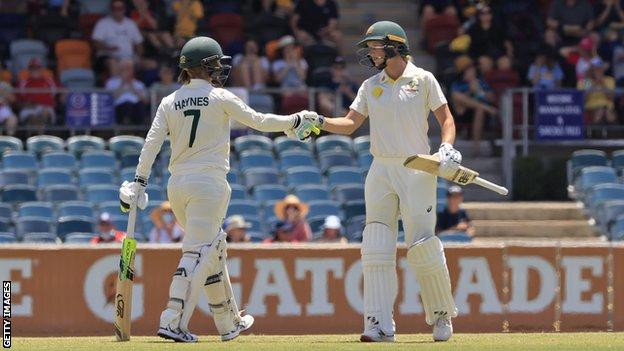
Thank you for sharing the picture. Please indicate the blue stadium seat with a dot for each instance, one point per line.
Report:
(102, 192)
(607, 212)
(244, 208)
(604, 192)
(362, 144)
(121, 223)
(91, 176)
(232, 177)
(155, 192)
(365, 160)
(42, 144)
(78, 238)
(125, 144)
(59, 159)
(19, 160)
(349, 191)
(617, 160)
(283, 143)
(15, 176)
(355, 227)
(9, 143)
(584, 158)
(256, 224)
(25, 225)
(457, 237)
(71, 224)
(316, 223)
(334, 143)
(5, 225)
(238, 192)
(344, 175)
(61, 192)
(98, 159)
(147, 225)
(441, 192)
(77, 78)
(616, 232)
(594, 175)
(129, 160)
(324, 208)
(260, 176)
(19, 193)
(23, 50)
(331, 159)
(6, 211)
(53, 176)
(127, 173)
(303, 175)
(255, 159)
(296, 158)
(36, 209)
(7, 238)
(250, 142)
(353, 208)
(77, 145)
(39, 238)
(311, 192)
(75, 208)
(112, 207)
(267, 192)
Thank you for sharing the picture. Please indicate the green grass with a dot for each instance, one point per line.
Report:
(420, 342)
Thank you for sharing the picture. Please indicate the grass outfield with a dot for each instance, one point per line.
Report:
(550, 341)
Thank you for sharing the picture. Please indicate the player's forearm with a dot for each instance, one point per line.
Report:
(447, 124)
(339, 125)
(268, 122)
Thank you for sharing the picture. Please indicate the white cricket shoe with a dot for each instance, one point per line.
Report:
(245, 323)
(376, 335)
(442, 329)
(176, 335)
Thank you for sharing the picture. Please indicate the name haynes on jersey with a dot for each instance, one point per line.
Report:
(192, 102)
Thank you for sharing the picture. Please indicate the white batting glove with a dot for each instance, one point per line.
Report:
(128, 194)
(450, 159)
(306, 123)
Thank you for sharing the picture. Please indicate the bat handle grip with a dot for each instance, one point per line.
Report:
(489, 185)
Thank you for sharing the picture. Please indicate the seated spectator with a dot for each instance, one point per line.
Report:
(618, 65)
(290, 70)
(7, 116)
(188, 12)
(292, 211)
(332, 231)
(486, 38)
(37, 108)
(339, 82)
(236, 229)
(5, 74)
(545, 73)
(503, 76)
(609, 42)
(473, 101)
(145, 20)
(166, 85)
(251, 70)
(130, 95)
(430, 8)
(271, 20)
(573, 19)
(485, 64)
(106, 231)
(586, 53)
(317, 20)
(166, 227)
(599, 96)
(282, 233)
(607, 13)
(454, 218)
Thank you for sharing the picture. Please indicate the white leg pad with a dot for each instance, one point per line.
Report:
(426, 259)
(380, 277)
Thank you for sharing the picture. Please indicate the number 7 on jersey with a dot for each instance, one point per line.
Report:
(195, 114)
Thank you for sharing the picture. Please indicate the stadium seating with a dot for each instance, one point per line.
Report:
(60, 192)
(259, 176)
(593, 175)
(243, 207)
(331, 159)
(349, 191)
(19, 160)
(311, 192)
(83, 143)
(616, 231)
(283, 143)
(584, 158)
(7, 238)
(6, 211)
(36, 209)
(15, 176)
(98, 159)
(125, 144)
(354, 208)
(238, 192)
(9, 143)
(72, 54)
(249, 142)
(296, 158)
(5, 225)
(440, 29)
(60, 159)
(303, 175)
(78, 238)
(77, 78)
(76, 208)
(256, 158)
(344, 175)
(42, 144)
(16, 193)
(334, 143)
(97, 175)
(32, 224)
(23, 50)
(361, 144)
(71, 224)
(53, 176)
(102, 192)
(267, 192)
(324, 208)
(39, 238)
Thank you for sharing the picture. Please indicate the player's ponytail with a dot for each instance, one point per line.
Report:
(184, 77)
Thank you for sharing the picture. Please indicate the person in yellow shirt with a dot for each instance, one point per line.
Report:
(599, 95)
(188, 12)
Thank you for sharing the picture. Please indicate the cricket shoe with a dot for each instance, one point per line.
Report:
(442, 329)
(176, 335)
(245, 323)
(375, 334)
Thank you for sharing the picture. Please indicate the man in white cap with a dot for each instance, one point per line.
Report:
(332, 231)
(236, 229)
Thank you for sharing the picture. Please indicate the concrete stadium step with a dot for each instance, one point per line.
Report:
(523, 211)
(532, 228)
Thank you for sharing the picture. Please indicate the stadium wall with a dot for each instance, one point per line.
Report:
(316, 289)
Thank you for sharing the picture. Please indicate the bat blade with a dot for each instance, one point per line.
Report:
(123, 295)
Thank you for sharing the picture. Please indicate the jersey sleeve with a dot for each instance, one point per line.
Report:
(153, 142)
(360, 103)
(435, 96)
(237, 110)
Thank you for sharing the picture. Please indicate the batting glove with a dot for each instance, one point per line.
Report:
(129, 192)
(450, 160)
(306, 123)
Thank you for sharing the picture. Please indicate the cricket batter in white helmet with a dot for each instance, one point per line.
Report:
(398, 100)
(197, 119)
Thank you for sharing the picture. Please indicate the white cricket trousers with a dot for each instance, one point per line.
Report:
(199, 202)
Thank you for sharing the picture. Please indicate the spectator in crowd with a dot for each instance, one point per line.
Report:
(545, 73)
(573, 19)
(271, 19)
(586, 53)
(292, 211)
(332, 231)
(454, 218)
(618, 65)
(503, 76)
(599, 96)
(116, 36)
(188, 12)
(290, 70)
(251, 70)
(166, 227)
(5, 74)
(431, 8)
(317, 20)
(167, 84)
(130, 94)
(161, 40)
(37, 108)
(486, 38)
(339, 82)
(106, 231)
(236, 229)
(607, 45)
(7, 116)
(608, 12)
(282, 233)
(473, 101)
(485, 64)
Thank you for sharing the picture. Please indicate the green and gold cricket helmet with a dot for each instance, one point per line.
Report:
(205, 52)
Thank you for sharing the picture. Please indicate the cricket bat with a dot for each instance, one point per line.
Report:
(125, 279)
(463, 176)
